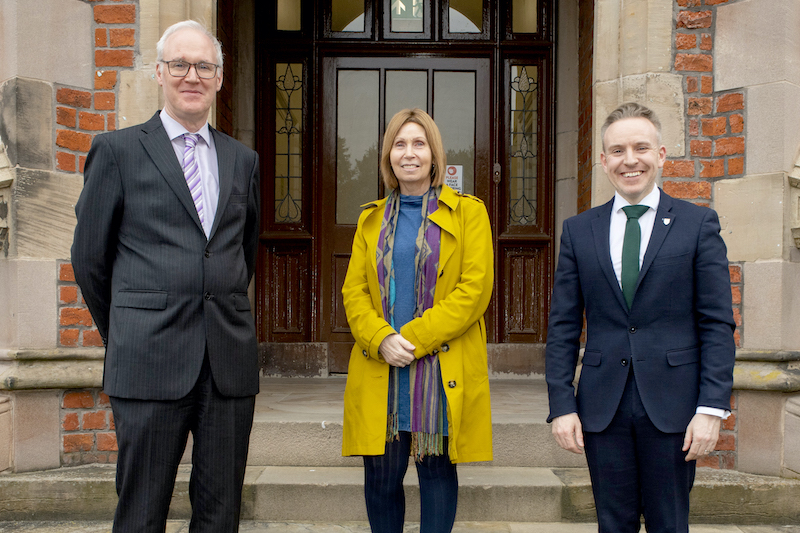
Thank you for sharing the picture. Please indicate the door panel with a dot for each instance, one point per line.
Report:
(361, 96)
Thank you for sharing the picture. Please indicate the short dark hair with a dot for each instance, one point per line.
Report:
(630, 110)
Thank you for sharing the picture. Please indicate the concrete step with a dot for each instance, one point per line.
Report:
(298, 422)
(250, 526)
(335, 494)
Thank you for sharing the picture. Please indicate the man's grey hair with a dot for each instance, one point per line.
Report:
(631, 110)
(188, 25)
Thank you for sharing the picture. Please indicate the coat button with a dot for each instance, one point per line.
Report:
(451, 384)
(208, 254)
(632, 329)
(207, 296)
(434, 352)
(364, 353)
(624, 362)
(445, 348)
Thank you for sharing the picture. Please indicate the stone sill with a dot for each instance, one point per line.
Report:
(62, 368)
(77, 368)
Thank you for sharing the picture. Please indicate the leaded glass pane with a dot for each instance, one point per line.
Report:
(466, 16)
(407, 16)
(288, 142)
(523, 152)
(357, 153)
(405, 89)
(347, 16)
(289, 15)
(524, 16)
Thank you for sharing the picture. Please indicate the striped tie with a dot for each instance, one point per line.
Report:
(192, 172)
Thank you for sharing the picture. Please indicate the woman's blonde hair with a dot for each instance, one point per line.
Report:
(417, 116)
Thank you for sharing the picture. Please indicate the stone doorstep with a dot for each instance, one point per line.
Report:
(335, 494)
(320, 444)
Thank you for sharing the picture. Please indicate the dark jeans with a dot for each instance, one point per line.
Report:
(383, 489)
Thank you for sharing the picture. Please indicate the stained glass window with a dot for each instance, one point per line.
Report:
(288, 142)
(523, 153)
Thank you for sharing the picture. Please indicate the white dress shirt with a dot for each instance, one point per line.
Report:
(616, 236)
(206, 155)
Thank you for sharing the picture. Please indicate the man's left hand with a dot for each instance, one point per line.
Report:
(701, 436)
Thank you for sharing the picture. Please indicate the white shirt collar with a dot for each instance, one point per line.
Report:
(651, 200)
(174, 128)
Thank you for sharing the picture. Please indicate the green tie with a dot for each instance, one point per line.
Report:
(630, 250)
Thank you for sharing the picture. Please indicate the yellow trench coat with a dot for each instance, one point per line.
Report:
(454, 327)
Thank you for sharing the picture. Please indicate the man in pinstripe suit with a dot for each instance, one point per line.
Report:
(164, 249)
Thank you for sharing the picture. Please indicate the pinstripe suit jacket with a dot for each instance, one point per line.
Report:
(158, 290)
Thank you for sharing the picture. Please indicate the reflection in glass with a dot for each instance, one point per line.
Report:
(289, 15)
(288, 142)
(454, 108)
(405, 89)
(357, 154)
(523, 148)
(524, 17)
(406, 16)
(347, 16)
(466, 16)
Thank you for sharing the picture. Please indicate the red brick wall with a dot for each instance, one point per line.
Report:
(87, 423)
(716, 145)
(87, 428)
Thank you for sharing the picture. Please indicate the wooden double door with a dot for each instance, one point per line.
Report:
(322, 110)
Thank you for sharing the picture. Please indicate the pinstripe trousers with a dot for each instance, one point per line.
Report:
(385, 498)
(152, 436)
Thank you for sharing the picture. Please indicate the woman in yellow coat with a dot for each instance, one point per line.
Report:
(418, 283)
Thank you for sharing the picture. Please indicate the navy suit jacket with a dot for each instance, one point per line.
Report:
(678, 334)
(160, 292)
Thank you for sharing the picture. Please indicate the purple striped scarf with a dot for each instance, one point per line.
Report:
(427, 416)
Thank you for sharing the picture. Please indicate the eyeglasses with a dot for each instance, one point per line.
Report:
(180, 69)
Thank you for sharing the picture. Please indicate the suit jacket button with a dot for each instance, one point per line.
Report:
(632, 329)
(207, 296)
(624, 362)
(451, 384)
(445, 348)
(208, 254)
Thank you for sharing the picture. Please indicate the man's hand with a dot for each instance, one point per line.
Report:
(568, 432)
(701, 436)
(397, 350)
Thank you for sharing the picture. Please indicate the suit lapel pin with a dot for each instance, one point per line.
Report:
(666, 221)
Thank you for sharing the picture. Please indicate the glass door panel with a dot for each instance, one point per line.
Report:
(454, 112)
(405, 89)
(357, 152)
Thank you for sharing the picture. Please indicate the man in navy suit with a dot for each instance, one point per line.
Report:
(164, 249)
(657, 368)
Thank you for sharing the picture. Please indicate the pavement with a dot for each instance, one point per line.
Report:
(182, 526)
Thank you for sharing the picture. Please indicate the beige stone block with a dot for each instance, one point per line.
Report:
(8, 311)
(35, 318)
(761, 305)
(607, 15)
(751, 216)
(37, 431)
(663, 93)
(6, 432)
(754, 46)
(44, 213)
(760, 432)
(49, 40)
(149, 31)
(138, 97)
(773, 113)
(645, 36)
(635, 37)
(791, 435)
